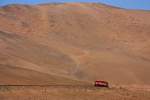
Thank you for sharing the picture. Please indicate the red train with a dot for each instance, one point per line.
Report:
(99, 83)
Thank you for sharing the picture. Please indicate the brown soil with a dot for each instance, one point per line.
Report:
(74, 43)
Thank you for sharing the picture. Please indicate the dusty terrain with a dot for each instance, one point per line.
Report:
(74, 43)
(70, 93)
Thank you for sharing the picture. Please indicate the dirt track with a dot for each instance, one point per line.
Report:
(69, 93)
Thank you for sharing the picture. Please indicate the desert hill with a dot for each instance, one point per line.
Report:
(79, 41)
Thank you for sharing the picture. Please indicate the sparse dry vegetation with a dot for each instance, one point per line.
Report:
(71, 93)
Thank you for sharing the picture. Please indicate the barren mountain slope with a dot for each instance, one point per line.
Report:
(74, 40)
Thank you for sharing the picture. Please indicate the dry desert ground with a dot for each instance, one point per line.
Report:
(57, 51)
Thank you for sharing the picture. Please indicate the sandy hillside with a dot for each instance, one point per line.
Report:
(61, 43)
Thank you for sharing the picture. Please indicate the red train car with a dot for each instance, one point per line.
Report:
(100, 83)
